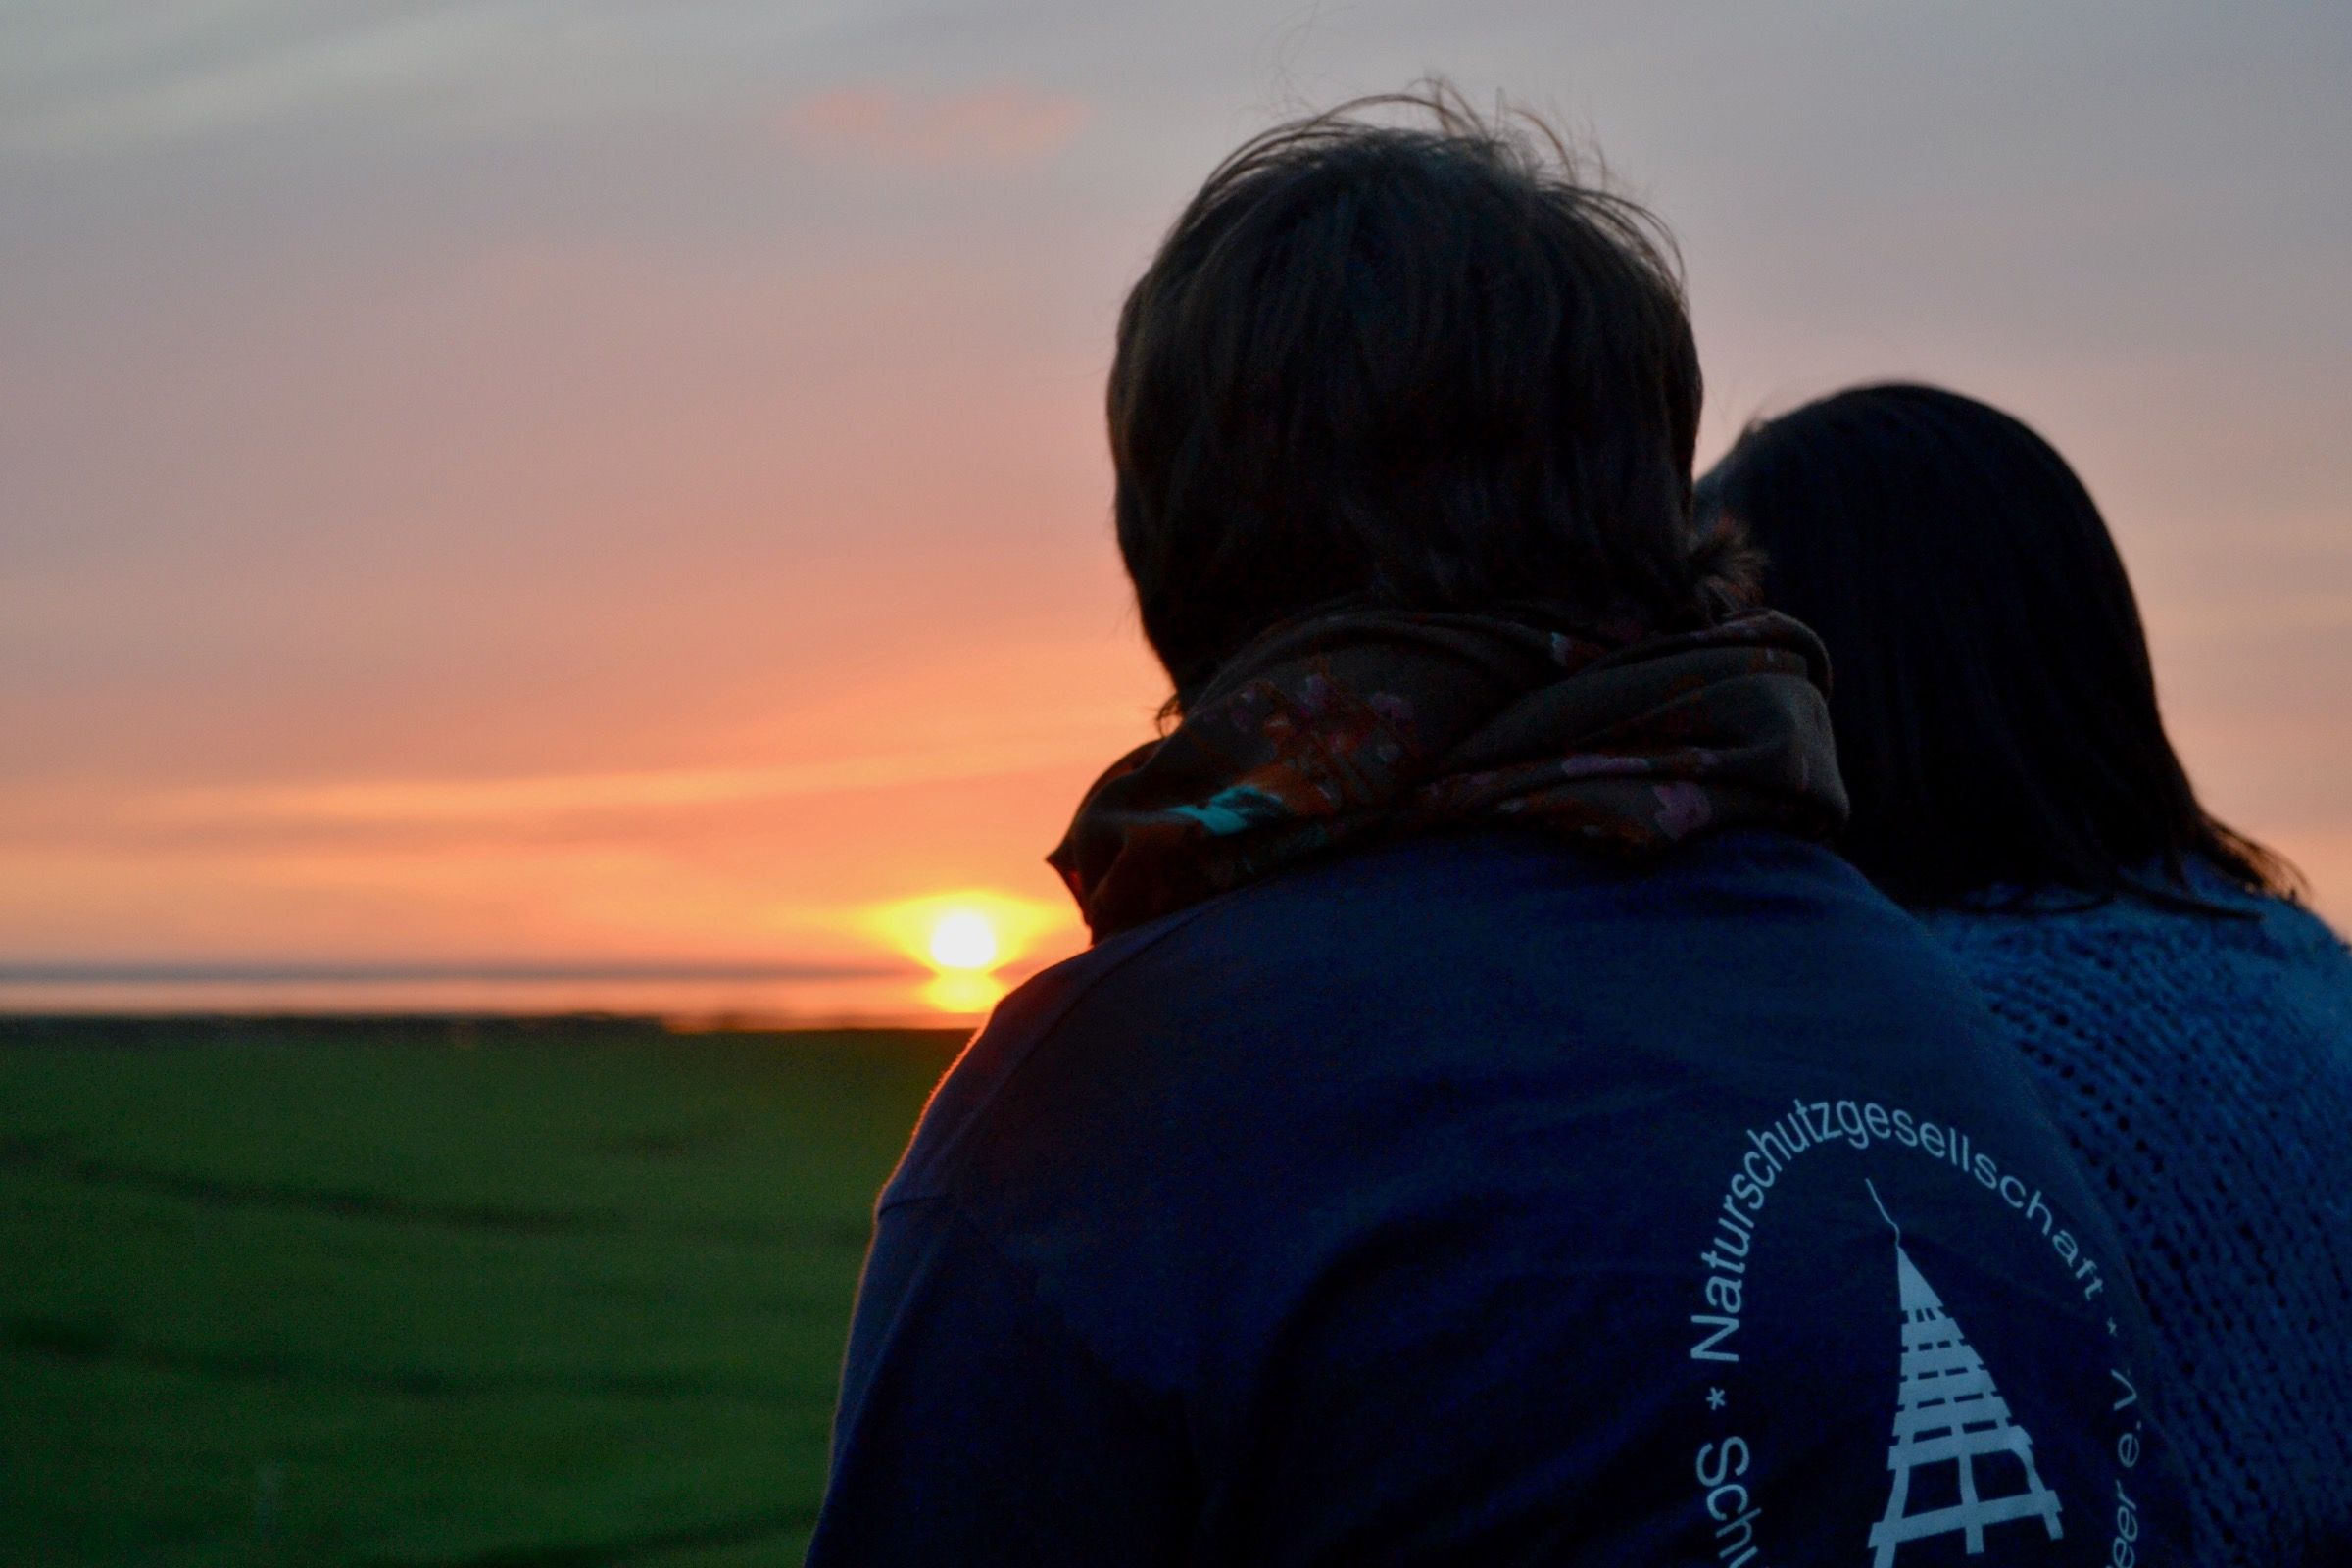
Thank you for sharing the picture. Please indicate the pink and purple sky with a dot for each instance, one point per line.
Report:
(569, 484)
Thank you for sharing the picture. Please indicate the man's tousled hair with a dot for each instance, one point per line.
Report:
(1429, 364)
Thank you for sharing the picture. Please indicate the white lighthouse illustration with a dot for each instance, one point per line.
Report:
(1947, 1411)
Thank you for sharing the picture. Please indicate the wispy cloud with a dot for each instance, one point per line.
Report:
(173, 83)
(184, 972)
(987, 127)
(540, 797)
(134, 78)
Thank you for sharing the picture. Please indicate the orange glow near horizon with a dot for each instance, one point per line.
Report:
(963, 993)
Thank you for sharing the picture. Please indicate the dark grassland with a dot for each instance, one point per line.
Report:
(524, 1295)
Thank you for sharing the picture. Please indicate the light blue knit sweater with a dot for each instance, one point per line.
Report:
(2202, 1067)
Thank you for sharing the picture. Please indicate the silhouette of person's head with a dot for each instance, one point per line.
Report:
(1992, 699)
(1426, 366)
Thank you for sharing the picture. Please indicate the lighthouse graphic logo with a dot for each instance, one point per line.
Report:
(1947, 1413)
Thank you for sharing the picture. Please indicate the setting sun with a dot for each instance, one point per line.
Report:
(964, 939)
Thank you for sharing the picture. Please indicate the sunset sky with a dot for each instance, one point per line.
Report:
(548, 483)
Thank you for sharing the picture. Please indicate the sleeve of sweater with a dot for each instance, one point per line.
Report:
(974, 1429)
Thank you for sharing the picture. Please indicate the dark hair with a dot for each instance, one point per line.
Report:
(1993, 704)
(1419, 367)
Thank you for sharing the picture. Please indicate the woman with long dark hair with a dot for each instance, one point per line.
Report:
(2011, 782)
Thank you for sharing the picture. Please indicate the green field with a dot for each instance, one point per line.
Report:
(520, 1294)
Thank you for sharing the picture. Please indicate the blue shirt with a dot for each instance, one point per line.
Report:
(1465, 1202)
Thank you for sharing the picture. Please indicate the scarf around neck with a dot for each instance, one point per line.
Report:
(1369, 723)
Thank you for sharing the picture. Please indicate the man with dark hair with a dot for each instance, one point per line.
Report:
(1489, 1128)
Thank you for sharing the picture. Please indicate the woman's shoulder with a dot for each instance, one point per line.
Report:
(2134, 952)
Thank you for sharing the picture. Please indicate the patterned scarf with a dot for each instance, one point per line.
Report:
(1365, 723)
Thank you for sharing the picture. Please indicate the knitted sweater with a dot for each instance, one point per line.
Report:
(2202, 1067)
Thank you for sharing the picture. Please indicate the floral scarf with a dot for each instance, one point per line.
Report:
(1360, 724)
